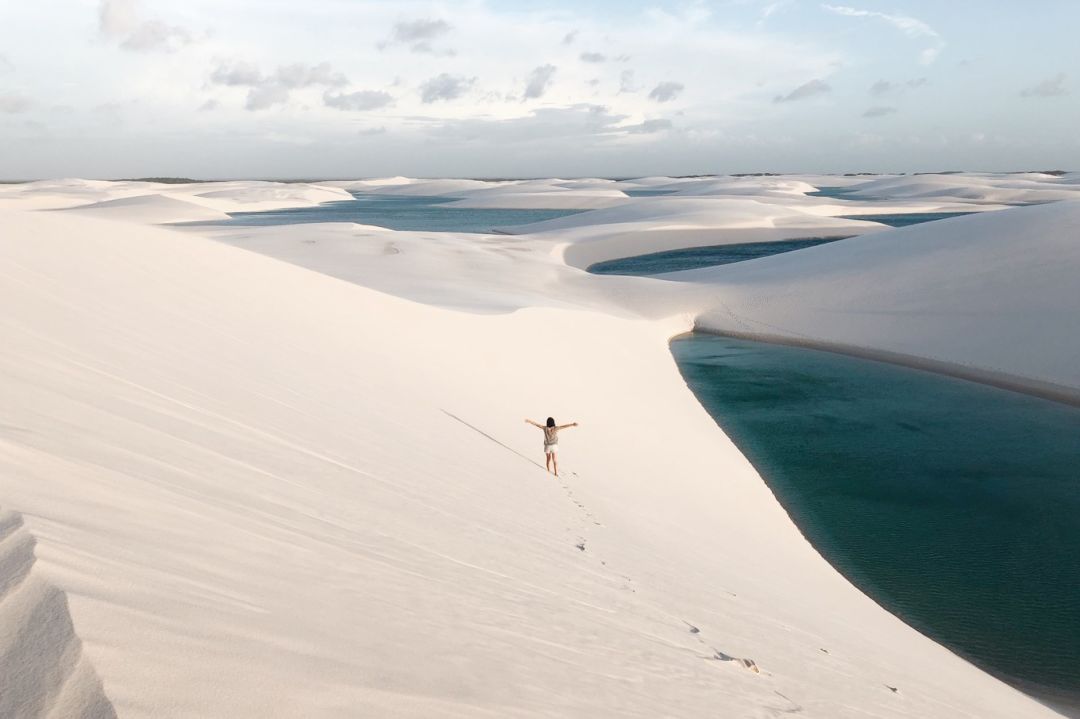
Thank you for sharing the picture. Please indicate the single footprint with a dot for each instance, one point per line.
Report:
(749, 664)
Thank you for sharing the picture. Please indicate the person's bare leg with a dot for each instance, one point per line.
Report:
(547, 457)
(555, 461)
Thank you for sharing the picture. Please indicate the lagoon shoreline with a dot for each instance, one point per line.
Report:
(1001, 380)
(767, 399)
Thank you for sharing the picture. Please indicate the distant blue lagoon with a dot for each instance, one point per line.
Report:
(953, 504)
(832, 192)
(695, 257)
(906, 219)
(647, 193)
(692, 258)
(399, 212)
(893, 220)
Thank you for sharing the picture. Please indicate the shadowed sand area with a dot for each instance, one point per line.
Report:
(43, 668)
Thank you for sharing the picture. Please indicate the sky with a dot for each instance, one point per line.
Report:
(319, 89)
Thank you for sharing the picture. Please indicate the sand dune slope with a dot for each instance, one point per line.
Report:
(146, 209)
(270, 493)
(44, 671)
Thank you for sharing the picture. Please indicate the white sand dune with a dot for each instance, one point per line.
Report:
(272, 197)
(984, 188)
(428, 188)
(362, 185)
(479, 273)
(992, 294)
(59, 194)
(222, 197)
(44, 671)
(543, 194)
(692, 212)
(741, 186)
(747, 184)
(997, 189)
(654, 224)
(149, 209)
(552, 194)
(266, 491)
(550, 200)
(585, 183)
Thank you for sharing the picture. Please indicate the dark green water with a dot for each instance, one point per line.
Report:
(694, 257)
(953, 504)
(836, 192)
(906, 219)
(399, 212)
(648, 193)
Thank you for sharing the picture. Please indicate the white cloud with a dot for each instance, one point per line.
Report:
(626, 82)
(910, 26)
(360, 101)
(774, 8)
(594, 57)
(156, 35)
(543, 124)
(928, 55)
(423, 29)
(887, 87)
(117, 17)
(419, 35)
(539, 79)
(882, 87)
(237, 74)
(266, 96)
(14, 104)
(5, 64)
(445, 87)
(666, 91)
(120, 21)
(265, 91)
(648, 127)
(1052, 87)
(807, 89)
(300, 75)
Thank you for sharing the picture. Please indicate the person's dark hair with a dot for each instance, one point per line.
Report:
(551, 422)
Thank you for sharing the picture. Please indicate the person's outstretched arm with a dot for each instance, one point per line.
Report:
(535, 424)
(566, 426)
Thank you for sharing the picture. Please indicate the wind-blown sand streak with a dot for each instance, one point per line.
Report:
(44, 671)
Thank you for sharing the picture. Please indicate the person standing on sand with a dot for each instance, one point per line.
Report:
(551, 441)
